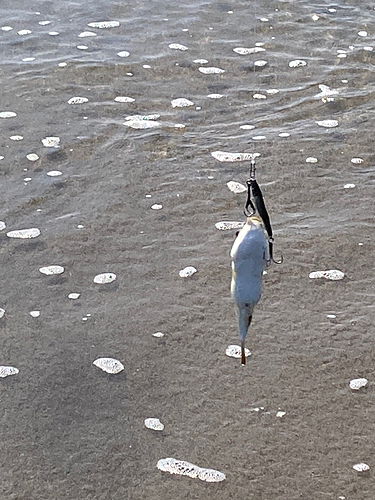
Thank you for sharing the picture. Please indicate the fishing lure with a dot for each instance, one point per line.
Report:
(254, 189)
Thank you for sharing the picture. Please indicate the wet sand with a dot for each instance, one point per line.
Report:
(68, 427)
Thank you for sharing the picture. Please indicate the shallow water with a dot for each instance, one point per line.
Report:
(68, 429)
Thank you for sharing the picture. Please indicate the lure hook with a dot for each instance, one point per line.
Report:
(249, 203)
(270, 247)
(249, 183)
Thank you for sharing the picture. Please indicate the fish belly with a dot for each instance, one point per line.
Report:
(248, 262)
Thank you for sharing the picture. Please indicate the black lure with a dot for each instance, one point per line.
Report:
(254, 189)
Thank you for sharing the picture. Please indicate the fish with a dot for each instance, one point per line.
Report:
(249, 256)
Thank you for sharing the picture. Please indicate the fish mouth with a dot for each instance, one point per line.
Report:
(254, 220)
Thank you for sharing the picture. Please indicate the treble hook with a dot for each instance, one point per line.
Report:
(270, 248)
(249, 182)
(249, 203)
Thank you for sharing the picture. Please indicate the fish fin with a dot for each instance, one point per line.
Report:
(243, 357)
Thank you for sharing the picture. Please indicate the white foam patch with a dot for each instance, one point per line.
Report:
(154, 424)
(124, 99)
(51, 142)
(236, 187)
(104, 278)
(109, 365)
(44, 23)
(32, 157)
(326, 93)
(215, 96)
(77, 100)
(259, 96)
(260, 63)
(187, 272)
(327, 123)
(361, 467)
(183, 468)
(143, 117)
(51, 270)
(297, 63)
(231, 157)
(142, 124)
(358, 383)
(331, 274)
(33, 232)
(234, 351)
(104, 24)
(6, 371)
(86, 34)
(211, 70)
(7, 114)
(280, 414)
(200, 61)
(177, 46)
(181, 102)
(243, 51)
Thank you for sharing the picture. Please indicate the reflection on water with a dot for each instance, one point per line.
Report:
(112, 144)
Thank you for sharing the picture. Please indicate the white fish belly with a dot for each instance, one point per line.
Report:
(249, 254)
(246, 290)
